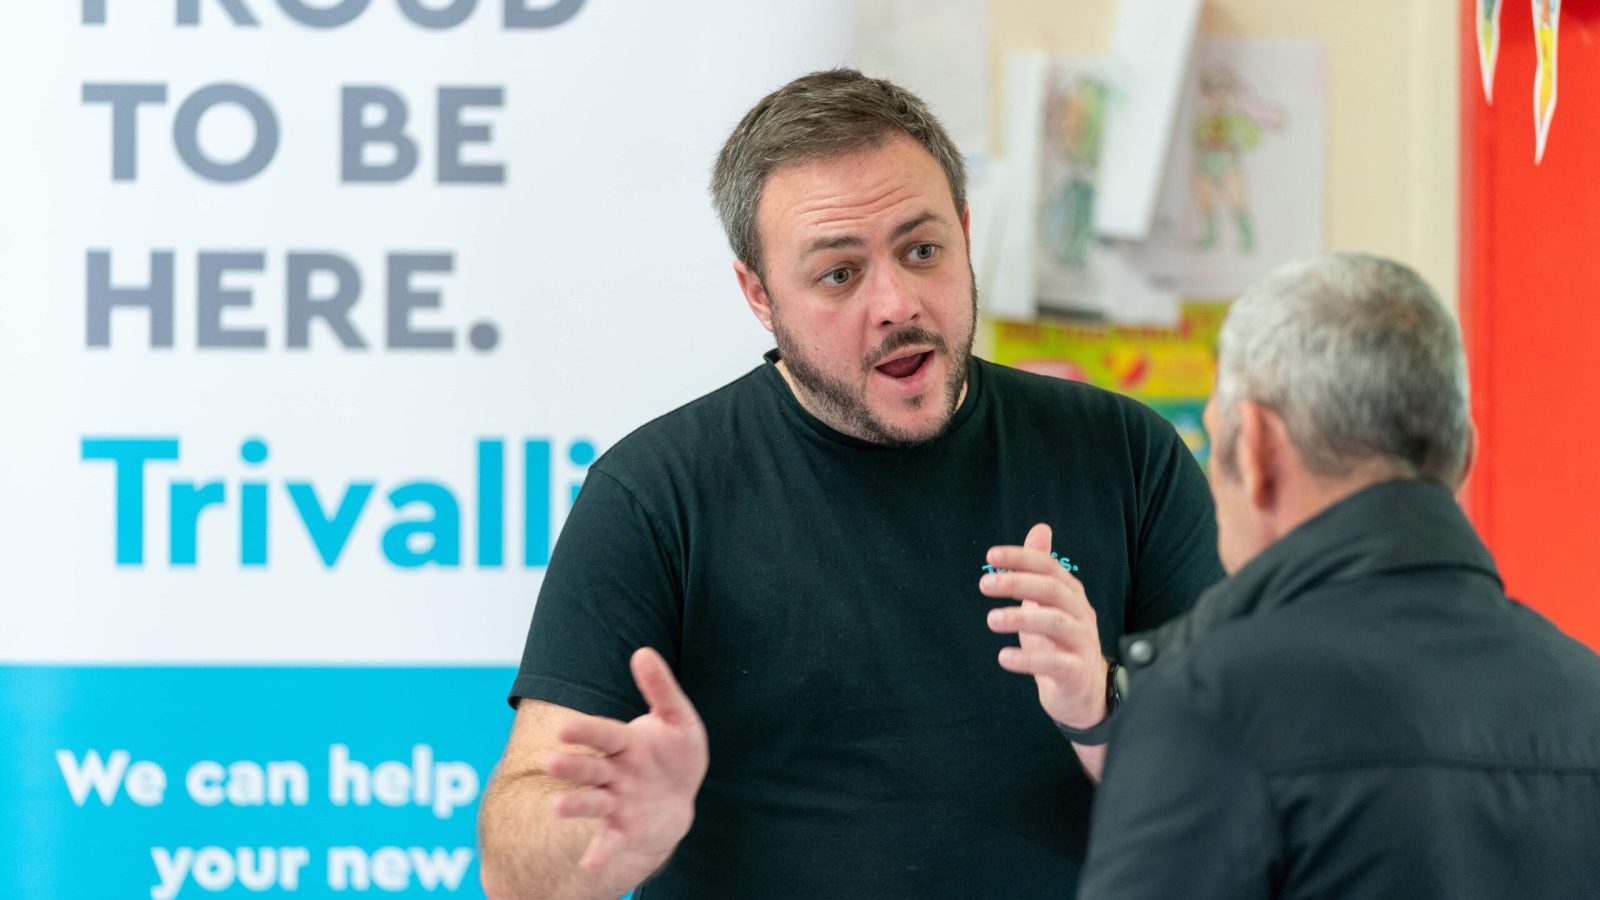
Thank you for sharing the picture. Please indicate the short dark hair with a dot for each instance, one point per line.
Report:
(819, 116)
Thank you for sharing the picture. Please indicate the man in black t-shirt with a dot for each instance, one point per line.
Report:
(763, 660)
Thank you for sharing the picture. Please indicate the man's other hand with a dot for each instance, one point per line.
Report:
(641, 777)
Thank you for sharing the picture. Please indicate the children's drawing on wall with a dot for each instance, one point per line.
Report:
(1069, 158)
(1243, 186)
(1488, 44)
(1546, 32)
(1074, 122)
(1230, 124)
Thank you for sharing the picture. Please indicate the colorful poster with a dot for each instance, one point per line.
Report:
(1170, 369)
(1546, 35)
(1488, 43)
(1244, 184)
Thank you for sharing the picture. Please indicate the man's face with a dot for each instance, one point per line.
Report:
(868, 290)
(1240, 530)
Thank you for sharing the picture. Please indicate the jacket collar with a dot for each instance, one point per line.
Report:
(1388, 527)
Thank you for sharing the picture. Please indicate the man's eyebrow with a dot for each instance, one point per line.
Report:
(912, 224)
(833, 243)
(850, 240)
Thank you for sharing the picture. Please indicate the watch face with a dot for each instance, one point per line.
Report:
(1118, 686)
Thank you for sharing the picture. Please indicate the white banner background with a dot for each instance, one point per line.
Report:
(598, 262)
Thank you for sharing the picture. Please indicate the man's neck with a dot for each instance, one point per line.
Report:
(1311, 494)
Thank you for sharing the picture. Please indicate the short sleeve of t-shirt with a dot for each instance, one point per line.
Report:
(1177, 548)
(609, 590)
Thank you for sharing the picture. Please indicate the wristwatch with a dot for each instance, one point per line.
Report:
(1095, 735)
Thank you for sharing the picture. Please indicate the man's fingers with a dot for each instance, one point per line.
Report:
(589, 803)
(608, 736)
(1056, 664)
(1030, 556)
(659, 688)
(1046, 590)
(1047, 622)
(580, 768)
(1038, 538)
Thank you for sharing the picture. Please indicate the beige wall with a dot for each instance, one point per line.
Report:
(1392, 138)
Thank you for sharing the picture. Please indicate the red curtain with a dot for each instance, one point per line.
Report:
(1530, 308)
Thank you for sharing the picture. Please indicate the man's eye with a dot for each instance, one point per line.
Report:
(837, 277)
(924, 252)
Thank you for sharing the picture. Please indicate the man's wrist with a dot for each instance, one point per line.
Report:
(1100, 732)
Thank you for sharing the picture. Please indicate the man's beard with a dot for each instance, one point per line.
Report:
(843, 404)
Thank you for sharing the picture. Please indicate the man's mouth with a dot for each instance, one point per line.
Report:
(905, 366)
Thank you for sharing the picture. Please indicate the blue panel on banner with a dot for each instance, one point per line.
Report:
(195, 781)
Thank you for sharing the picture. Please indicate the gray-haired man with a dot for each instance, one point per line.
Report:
(810, 556)
(1359, 711)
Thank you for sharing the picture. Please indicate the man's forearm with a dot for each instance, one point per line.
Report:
(529, 852)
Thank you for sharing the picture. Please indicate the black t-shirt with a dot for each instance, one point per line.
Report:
(817, 596)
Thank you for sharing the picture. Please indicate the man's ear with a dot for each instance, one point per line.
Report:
(1262, 451)
(755, 293)
(1471, 459)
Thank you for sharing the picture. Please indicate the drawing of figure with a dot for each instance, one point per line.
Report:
(1230, 124)
(1074, 125)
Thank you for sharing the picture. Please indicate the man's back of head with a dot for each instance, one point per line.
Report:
(1336, 373)
(1361, 359)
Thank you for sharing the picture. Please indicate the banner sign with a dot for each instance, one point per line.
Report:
(313, 314)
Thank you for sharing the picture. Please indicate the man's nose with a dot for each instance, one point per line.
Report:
(894, 297)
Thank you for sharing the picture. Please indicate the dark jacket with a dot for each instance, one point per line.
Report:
(1359, 712)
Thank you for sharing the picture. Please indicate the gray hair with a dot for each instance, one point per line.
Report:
(819, 116)
(1358, 356)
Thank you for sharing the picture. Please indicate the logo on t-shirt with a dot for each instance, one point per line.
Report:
(1066, 563)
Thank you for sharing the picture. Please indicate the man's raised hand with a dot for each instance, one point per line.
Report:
(638, 779)
(1058, 631)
